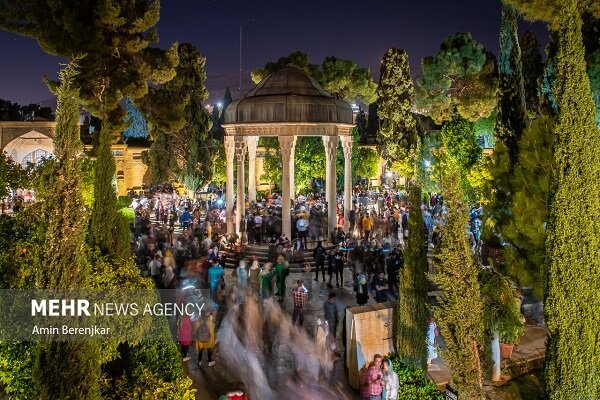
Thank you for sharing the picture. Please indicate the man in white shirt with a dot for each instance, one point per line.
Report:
(154, 267)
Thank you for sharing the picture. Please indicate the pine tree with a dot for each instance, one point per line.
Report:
(460, 314)
(398, 133)
(460, 79)
(66, 369)
(525, 231)
(533, 68)
(573, 246)
(412, 301)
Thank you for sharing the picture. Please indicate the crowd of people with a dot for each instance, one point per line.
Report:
(181, 242)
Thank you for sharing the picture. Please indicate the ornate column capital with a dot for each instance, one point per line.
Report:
(287, 144)
(347, 145)
(331, 144)
(229, 143)
(240, 149)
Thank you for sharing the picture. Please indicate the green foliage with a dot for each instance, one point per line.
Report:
(512, 112)
(411, 342)
(151, 387)
(594, 74)
(65, 266)
(551, 11)
(10, 111)
(460, 314)
(182, 147)
(367, 164)
(502, 311)
(67, 370)
(460, 142)
(345, 79)
(16, 364)
(459, 80)
(12, 175)
(272, 160)
(413, 384)
(533, 67)
(525, 229)
(88, 177)
(484, 130)
(398, 133)
(104, 230)
(573, 246)
(296, 59)
(479, 178)
(220, 174)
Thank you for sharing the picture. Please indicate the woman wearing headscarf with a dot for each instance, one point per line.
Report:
(266, 281)
(281, 271)
(390, 381)
(254, 277)
(362, 290)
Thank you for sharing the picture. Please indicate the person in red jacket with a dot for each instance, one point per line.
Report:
(185, 336)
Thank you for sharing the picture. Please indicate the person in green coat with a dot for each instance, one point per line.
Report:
(281, 271)
(266, 281)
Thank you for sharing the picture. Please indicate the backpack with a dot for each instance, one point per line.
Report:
(203, 330)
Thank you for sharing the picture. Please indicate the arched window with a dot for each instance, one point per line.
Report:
(35, 157)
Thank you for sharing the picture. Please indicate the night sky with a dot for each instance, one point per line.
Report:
(358, 30)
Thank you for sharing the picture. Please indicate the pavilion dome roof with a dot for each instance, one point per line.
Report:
(288, 95)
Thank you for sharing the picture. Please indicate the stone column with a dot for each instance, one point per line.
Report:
(347, 147)
(287, 144)
(293, 171)
(252, 142)
(229, 153)
(240, 154)
(331, 144)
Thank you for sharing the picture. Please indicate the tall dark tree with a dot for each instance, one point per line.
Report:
(411, 342)
(532, 66)
(512, 112)
(201, 150)
(361, 125)
(66, 369)
(510, 123)
(398, 133)
(183, 150)
(572, 287)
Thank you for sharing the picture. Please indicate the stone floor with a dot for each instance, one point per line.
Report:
(219, 379)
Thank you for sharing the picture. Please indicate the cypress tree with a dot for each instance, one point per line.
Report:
(66, 370)
(412, 301)
(105, 223)
(573, 246)
(533, 68)
(398, 133)
(199, 162)
(511, 120)
(460, 314)
(512, 117)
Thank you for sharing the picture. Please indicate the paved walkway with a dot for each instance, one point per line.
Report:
(219, 379)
